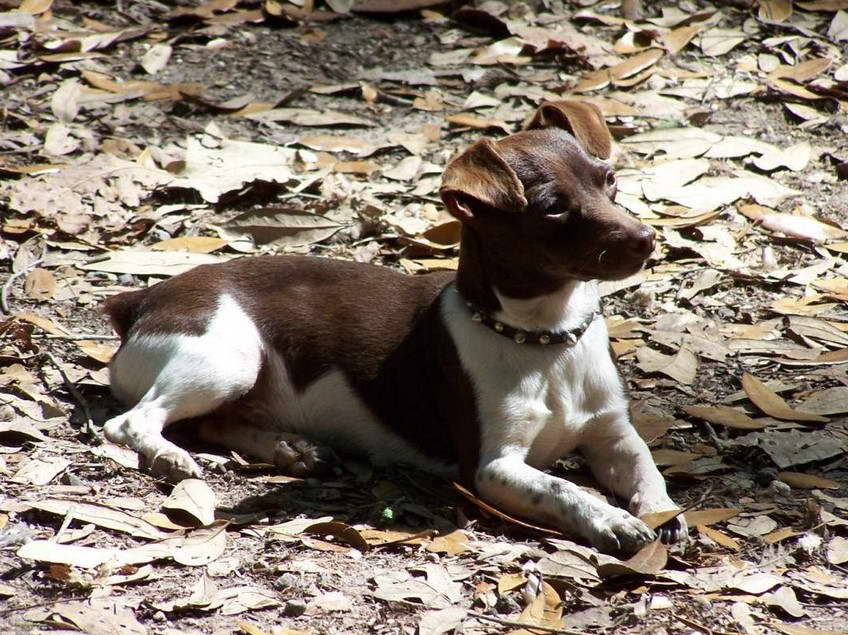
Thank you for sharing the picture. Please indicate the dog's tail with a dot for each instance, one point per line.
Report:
(123, 310)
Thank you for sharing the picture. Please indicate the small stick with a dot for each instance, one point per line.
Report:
(88, 425)
(74, 337)
(4, 296)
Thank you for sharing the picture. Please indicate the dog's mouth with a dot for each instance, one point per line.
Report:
(608, 266)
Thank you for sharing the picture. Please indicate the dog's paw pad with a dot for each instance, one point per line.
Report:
(302, 458)
(175, 465)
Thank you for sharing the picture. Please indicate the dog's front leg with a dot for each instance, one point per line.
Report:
(621, 461)
(508, 481)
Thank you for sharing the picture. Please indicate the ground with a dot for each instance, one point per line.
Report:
(124, 160)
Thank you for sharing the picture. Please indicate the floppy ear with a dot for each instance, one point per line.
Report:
(582, 119)
(481, 174)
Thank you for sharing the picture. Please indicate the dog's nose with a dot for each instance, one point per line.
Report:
(642, 243)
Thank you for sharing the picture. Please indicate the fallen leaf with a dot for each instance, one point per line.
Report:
(281, 226)
(721, 538)
(101, 515)
(191, 500)
(724, 416)
(837, 550)
(156, 58)
(799, 480)
(150, 263)
(682, 367)
(772, 404)
(195, 244)
(451, 544)
(649, 560)
(709, 516)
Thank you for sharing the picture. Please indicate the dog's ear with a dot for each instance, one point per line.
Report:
(582, 119)
(482, 174)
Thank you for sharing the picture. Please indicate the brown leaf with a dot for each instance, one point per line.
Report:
(721, 538)
(479, 123)
(724, 416)
(40, 284)
(341, 531)
(772, 404)
(281, 226)
(97, 351)
(451, 544)
(509, 581)
(807, 481)
(194, 244)
(709, 516)
(655, 519)
(192, 500)
(650, 560)
(775, 10)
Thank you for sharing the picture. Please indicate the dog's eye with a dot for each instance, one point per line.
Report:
(610, 179)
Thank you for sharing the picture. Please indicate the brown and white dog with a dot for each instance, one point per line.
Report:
(490, 374)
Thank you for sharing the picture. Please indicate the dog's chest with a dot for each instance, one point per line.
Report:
(536, 400)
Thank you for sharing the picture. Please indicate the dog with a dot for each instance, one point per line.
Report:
(489, 374)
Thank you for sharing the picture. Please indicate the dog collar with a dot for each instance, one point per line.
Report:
(520, 336)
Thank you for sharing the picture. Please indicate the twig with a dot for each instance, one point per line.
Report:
(74, 337)
(4, 296)
(88, 425)
(17, 609)
(528, 627)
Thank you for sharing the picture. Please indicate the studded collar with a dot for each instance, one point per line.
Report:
(570, 337)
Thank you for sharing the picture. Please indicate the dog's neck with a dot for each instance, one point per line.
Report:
(530, 299)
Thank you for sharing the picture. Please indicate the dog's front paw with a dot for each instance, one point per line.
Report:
(174, 465)
(302, 458)
(616, 530)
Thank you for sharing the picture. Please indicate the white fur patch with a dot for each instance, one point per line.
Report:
(536, 400)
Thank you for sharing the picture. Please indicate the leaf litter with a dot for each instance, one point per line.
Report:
(127, 159)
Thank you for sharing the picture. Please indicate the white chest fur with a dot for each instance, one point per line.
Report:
(535, 401)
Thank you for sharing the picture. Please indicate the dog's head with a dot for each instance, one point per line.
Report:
(546, 193)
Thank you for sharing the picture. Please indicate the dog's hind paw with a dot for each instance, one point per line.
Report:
(616, 530)
(174, 465)
(303, 458)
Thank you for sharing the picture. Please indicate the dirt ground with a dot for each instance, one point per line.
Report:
(743, 306)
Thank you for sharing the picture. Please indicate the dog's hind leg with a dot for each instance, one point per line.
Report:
(173, 377)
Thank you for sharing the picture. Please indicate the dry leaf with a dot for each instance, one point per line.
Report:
(194, 244)
(281, 226)
(724, 416)
(156, 58)
(341, 532)
(721, 538)
(709, 516)
(682, 367)
(101, 515)
(191, 500)
(151, 263)
(773, 405)
(650, 560)
(799, 480)
(454, 543)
